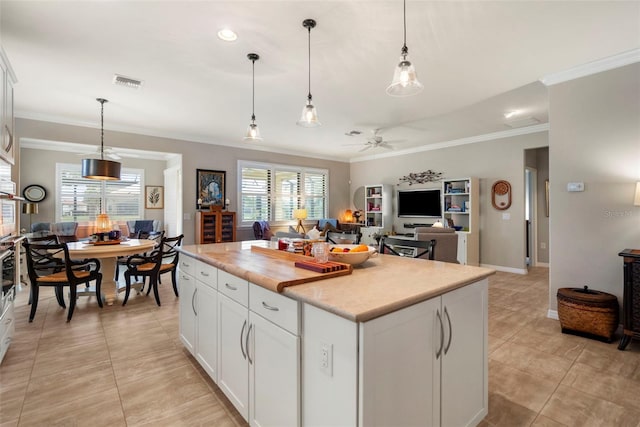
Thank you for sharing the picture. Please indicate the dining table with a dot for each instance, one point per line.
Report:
(108, 253)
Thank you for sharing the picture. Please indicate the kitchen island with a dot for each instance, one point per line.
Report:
(398, 341)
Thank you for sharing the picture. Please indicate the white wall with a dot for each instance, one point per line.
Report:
(595, 139)
(502, 242)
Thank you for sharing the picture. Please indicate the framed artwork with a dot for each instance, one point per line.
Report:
(210, 188)
(153, 197)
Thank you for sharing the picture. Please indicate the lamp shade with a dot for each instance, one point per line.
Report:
(100, 169)
(405, 80)
(348, 216)
(103, 223)
(309, 116)
(300, 213)
(636, 200)
(30, 208)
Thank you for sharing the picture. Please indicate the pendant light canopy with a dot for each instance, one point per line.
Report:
(405, 80)
(253, 133)
(100, 168)
(309, 117)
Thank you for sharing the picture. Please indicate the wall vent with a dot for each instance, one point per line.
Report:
(126, 81)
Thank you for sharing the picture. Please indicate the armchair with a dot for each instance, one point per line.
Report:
(447, 241)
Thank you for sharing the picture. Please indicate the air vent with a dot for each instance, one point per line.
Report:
(126, 81)
(353, 133)
(522, 122)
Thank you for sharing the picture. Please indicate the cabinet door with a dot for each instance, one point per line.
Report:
(274, 374)
(207, 331)
(233, 370)
(464, 363)
(402, 351)
(187, 289)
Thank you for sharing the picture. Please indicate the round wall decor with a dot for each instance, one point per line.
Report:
(34, 193)
(501, 195)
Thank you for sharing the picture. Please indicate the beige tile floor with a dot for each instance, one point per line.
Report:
(126, 366)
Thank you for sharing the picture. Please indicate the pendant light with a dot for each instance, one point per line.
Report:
(253, 133)
(100, 168)
(405, 80)
(309, 117)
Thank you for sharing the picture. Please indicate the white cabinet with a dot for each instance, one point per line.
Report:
(461, 207)
(187, 292)
(434, 353)
(377, 211)
(259, 352)
(233, 368)
(199, 312)
(7, 80)
(274, 360)
(7, 320)
(206, 302)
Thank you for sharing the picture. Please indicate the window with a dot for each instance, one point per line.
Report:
(80, 199)
(271, 192)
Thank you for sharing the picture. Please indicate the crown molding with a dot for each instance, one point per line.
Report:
(604, 64)
(542, 127)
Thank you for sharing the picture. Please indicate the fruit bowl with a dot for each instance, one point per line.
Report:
(353, 258)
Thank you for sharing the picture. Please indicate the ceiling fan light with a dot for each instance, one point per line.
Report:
(253, 133)
(405, 80)
(309, 117)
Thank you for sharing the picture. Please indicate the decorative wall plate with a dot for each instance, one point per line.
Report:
(501, 195)
(34, 193)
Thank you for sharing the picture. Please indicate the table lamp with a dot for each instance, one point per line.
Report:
(103, 224)
(348, 216)
(30, 208)
(300, 214)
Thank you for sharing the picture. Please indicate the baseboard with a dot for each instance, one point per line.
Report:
(506, 269)
(553, 314)
(542, 264)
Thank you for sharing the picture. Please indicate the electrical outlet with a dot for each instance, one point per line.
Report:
(326, 358)
(543, 245)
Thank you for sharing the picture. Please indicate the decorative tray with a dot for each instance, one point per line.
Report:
(108, 242)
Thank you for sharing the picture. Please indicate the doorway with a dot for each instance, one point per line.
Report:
(530, 209)
(536, 215)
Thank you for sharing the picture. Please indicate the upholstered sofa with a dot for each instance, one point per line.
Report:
(446, 242)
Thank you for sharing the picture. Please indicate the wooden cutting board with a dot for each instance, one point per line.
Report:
(308, 271)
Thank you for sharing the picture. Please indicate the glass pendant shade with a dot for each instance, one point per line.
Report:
(309, 117)
(405, 80)
(253, 133)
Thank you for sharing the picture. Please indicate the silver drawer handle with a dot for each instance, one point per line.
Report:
(8, 321)
(268, 307)
(185, 277)
(230, 287)
(204, 274)
(186, 264)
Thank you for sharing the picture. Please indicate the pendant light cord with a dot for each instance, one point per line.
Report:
(102, 129)
(405, 50)
(253, 90)
(309, 38)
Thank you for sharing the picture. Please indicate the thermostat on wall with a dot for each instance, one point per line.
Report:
(575, 186)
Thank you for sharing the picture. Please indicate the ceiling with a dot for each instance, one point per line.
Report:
(476, 59)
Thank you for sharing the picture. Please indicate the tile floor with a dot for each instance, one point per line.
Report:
(126, 366)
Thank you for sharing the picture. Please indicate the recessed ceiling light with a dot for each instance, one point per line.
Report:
(227, 35)
(510, 114)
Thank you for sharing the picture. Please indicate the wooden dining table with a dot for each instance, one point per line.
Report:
(108, 253)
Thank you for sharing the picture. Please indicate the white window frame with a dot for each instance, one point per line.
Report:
(71, 166)
(273, 167)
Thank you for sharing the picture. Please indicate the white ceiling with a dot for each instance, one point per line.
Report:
(476, 59)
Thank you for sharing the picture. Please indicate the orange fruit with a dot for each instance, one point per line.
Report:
(360, 248)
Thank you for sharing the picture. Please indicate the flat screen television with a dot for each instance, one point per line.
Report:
(419, 203)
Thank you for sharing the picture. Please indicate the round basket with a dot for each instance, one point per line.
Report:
(589, 313)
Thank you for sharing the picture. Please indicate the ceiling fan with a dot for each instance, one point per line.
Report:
(374, 141)
(109, 152)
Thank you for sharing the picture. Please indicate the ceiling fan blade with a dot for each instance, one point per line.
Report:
(385, 145)
(113, 156)
(365, 148)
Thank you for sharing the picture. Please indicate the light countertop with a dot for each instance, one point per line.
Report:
(381, 285)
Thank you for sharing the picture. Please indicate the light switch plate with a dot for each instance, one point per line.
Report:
(575, 186)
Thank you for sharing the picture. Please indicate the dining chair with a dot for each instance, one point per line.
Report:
(55, 264)
(414, 248)
(337, 238)
(44, 270)
(149, 235)
(163, 259)
(66, 231)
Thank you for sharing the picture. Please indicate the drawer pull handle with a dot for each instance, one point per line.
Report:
(244, 325)
(246, 344)
(269, 307)
(186, 264)
(233, 288)
(185, 277)
(204, 274)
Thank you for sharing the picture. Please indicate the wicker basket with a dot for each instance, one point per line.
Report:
(588, 313)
